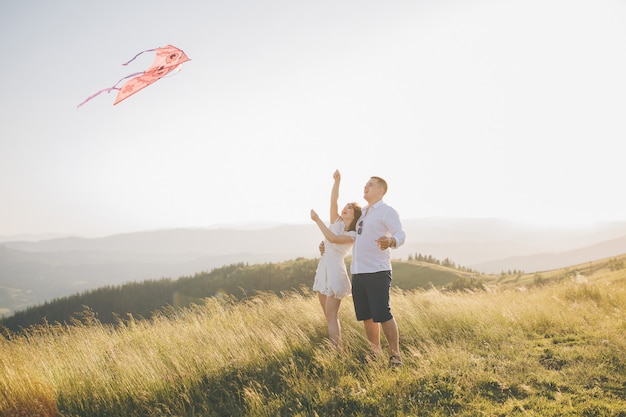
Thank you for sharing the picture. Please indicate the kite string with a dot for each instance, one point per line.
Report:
(135, 57)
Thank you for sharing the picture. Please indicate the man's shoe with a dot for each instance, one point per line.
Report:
(394, 361)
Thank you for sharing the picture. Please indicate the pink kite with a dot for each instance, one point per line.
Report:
(167, 60)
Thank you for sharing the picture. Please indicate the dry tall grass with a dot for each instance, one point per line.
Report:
(548, 351)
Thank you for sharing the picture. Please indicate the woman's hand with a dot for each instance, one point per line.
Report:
(314, 216)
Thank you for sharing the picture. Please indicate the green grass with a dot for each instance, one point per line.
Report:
(557, 349)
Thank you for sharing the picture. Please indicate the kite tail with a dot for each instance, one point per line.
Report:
(109, 89)
(135, 57)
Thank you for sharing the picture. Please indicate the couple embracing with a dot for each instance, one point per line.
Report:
(371, 232)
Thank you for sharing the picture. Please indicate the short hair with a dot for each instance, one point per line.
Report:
(382, 183)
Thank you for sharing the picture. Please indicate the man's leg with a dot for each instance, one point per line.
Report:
(390, 329)
(372, 331)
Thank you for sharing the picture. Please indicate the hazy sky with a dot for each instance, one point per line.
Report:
(487, 108)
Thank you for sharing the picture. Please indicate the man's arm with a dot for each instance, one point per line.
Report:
(394, 228)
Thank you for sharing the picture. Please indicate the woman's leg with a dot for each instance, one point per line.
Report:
(322, 299)
(332, 318)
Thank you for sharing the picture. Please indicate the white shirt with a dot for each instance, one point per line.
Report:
(376, 221)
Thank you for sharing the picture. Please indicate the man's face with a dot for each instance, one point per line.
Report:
(372, 190)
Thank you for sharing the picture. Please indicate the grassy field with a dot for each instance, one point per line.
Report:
(551, 344)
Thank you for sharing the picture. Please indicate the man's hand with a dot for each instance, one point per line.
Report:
(385, 242)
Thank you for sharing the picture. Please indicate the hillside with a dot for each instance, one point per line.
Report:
(36, 271)
(141, 299)
(551, 346)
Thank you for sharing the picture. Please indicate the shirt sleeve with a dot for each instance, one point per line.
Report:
(393, 224)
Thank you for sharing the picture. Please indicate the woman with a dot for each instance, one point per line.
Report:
(332, 282)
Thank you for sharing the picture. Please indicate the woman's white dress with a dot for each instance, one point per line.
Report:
(331, 277)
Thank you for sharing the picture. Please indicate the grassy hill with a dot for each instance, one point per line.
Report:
(141, 299)
(554, 346)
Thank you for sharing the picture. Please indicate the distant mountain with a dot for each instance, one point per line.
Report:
(30, 237)
(281, 239)
(493, 245)
(548, 261)
(32, 272)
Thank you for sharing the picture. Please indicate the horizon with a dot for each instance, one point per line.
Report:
(261, 225)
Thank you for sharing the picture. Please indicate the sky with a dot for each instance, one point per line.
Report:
(508, 109)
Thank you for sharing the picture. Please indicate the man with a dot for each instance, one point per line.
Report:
(378, 230)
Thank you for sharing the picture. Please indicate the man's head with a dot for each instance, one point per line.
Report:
(374, 190)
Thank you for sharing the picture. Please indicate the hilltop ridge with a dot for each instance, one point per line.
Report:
(32, 272)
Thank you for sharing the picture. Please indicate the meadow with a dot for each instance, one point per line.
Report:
(531, 345)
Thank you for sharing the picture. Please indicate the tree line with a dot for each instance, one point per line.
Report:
(111, 304)
(432, 260)
(142, 299)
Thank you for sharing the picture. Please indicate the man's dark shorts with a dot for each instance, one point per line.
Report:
(370, 293)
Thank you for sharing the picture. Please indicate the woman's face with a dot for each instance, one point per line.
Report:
(347, 214)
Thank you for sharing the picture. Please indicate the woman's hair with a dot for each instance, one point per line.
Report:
(357, 213)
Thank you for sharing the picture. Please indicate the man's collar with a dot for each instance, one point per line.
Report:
(376, 204)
